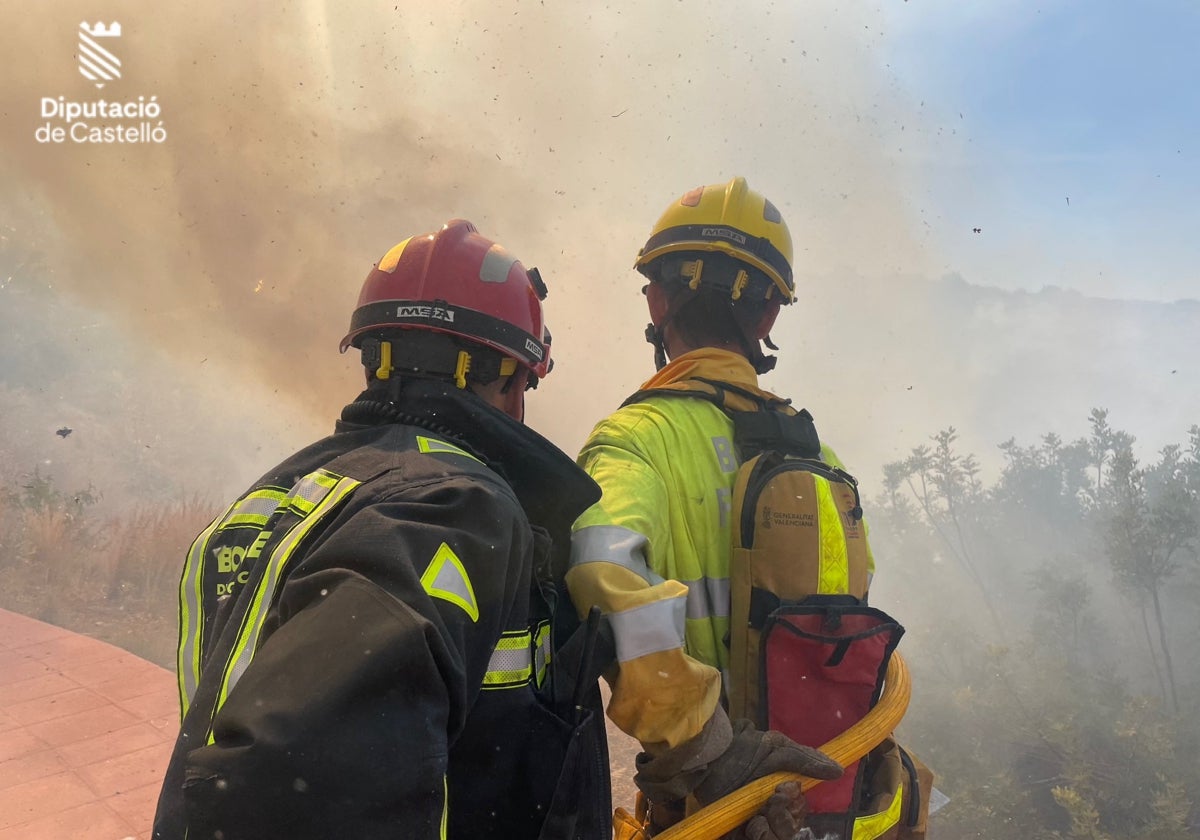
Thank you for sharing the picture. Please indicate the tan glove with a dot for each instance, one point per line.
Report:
(628, 827)
(781, 818)
(723, 758)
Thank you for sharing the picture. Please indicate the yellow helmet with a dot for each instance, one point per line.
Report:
(731, 219)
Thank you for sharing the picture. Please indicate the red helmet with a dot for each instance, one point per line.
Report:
(459, 283)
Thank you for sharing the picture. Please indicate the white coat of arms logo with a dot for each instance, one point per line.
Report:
(96, 60)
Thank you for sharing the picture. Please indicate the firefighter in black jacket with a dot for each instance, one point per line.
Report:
(367, 640)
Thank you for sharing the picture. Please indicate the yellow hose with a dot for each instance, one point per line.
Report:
(729, 812)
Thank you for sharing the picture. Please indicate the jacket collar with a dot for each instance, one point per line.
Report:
(547, 483)
(712, 364)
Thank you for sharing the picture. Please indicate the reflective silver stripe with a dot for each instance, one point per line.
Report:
(649, 628)
(191, 616)
(252, 622)
(708, 598)
(612, 544)
(511, 662)
(726, 459)
(310, 490)
(724, 504)
(254, 509)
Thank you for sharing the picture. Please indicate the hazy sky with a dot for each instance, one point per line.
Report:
(305, 139)
(1081, 161)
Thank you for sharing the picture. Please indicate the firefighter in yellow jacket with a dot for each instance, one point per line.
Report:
(654, 552)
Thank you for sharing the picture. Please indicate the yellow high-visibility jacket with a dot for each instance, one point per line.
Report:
(654, 552)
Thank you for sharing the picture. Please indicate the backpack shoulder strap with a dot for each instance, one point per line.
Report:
(691, 388)
(758, 401)
(791, 434)
(771, 424)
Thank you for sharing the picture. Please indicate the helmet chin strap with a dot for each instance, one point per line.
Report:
(761, 362)
(654, 336)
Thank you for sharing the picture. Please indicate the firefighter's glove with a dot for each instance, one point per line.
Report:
(753, 754)
(723, 758)
(673, 774)
(781, 818)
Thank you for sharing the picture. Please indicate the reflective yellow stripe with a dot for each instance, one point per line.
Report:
(191, 615)
(255, 508)
(252, 622)
(511, 664)
(542, 654)
(876, 825)
(445, 801)
(445, 577)
(834, 575)
(392, 258)
(256, 519)
(433, 446)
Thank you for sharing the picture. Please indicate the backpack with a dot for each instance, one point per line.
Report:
(807, 653)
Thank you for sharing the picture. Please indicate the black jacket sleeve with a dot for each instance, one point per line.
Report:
(342, 723)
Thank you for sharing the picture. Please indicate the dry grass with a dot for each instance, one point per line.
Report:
(112, 578)
(144, 549)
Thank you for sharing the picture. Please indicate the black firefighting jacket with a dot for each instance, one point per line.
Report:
(366, 640)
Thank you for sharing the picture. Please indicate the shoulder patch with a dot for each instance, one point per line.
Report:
(446, 578)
